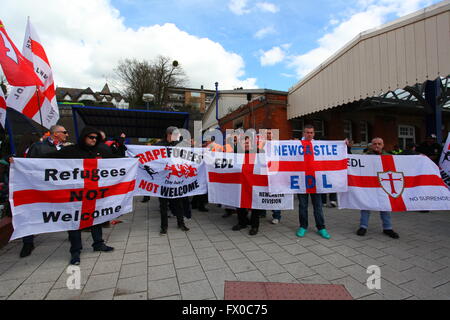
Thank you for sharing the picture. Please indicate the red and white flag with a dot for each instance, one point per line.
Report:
(40, 103)
(2, 108)
(51, 195)
(307, 166)
(17, 69)
(240, 180)
(394, 183)
(444, 162)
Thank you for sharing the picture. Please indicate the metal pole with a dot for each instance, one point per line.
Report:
(39, 106)
(11, 136)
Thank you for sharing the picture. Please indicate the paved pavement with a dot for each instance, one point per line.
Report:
(194, 265)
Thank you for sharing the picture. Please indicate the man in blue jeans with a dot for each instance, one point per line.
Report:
(376, 148)
(308, 134)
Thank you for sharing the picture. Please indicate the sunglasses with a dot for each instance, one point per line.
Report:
(65, 132)
(93, 137)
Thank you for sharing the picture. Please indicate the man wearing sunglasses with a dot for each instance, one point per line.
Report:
(86, 148)
(58, 136)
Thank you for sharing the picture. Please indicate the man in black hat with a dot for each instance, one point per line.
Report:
(171, 139)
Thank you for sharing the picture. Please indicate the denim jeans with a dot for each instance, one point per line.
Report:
(75, 238)
(384, 215)
(276, 214)
(316, 200)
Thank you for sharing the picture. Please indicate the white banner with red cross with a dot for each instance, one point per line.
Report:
(394, 183)
(169, 172)
(50, 195)
(240, 180)
(307, 166)
(444, 162)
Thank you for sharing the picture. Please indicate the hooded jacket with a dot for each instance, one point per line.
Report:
(83, 151)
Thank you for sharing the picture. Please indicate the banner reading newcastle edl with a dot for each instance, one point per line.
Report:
(394, 183)
(444, 162)
(307, 166)
(169, 172)
(50, 195)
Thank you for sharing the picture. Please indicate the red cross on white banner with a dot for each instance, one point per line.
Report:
(309, 165)
(62, 200)
(408, 183)
(246, 178)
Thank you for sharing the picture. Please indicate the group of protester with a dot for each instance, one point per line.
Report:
(92, 143)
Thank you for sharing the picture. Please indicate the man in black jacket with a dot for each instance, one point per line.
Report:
(58, 136)
(86, 148)
(171, 139)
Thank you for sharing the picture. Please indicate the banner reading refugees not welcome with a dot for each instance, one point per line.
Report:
(169, 172)
(307, 166)
(394, 183)
(50, 195)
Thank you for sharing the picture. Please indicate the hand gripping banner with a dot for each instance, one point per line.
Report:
(169, 172)
(307, 166)
(50, 195)
(240, 180)
(444, 162)
(394, 183)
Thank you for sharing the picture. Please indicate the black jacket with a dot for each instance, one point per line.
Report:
(41, 149)
(81, 150)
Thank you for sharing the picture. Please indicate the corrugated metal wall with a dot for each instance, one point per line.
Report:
(408, 51)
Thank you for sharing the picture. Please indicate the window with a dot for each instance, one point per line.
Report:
(364, 131)
(406, 135)
(195, 94)
(297, 128)
(348, 129)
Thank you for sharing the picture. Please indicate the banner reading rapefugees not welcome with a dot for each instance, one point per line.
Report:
(169, 172)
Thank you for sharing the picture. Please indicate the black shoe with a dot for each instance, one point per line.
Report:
(253, 231)
(26, 250)
(391, 233)
(238, 227)
(203, 209)
(75, 260)
(145, 199)
(104, 248)
(183, 227)
(361, 232)
(163, 231)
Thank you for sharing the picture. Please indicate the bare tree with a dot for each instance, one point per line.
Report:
(139, 77)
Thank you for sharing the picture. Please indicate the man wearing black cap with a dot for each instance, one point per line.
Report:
(171, 139)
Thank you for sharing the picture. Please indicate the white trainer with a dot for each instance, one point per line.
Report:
(275, 221)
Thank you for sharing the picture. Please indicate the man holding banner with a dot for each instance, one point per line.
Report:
(86, 148)
(376, 148)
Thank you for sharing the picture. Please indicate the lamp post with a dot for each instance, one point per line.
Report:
(148, 97)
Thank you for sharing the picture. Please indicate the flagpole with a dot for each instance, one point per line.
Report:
(39, 106)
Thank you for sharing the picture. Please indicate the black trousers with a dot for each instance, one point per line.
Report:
(254, 217)
(199, 201)
(75, 238)
(176, 206)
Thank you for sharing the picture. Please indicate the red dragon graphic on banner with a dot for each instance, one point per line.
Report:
(180, 170)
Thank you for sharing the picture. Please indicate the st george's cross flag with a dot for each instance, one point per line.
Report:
(240, 180)
(16, 68)
(394, 183)
(50, 195)
(444, 162)
(36, 102)
(307, 166)
(2, 108)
